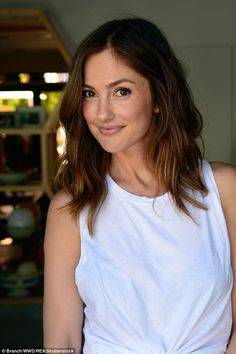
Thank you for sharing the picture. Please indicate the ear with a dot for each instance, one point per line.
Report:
(156, 109)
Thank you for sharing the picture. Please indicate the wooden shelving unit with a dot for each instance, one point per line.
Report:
(30, 37)
(46, 134)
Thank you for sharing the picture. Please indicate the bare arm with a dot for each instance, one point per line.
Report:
(63, 307)
(225, 176)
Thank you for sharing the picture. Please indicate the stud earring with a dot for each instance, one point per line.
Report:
(156, 109)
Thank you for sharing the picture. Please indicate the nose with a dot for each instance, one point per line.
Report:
(105, 111)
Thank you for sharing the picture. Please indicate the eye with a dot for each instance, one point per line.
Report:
(123, 92)
(88, 94)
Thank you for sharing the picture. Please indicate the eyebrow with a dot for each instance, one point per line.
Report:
(112, 84)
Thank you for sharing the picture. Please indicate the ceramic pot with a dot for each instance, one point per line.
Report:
(21, 223)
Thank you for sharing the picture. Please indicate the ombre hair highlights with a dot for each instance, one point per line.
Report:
(173, 153)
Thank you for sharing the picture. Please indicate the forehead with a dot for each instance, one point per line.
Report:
(107, 65)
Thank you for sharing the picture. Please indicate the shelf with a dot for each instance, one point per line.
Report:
(22, 131)
(21, 301)
(47, 155)
(22, 187)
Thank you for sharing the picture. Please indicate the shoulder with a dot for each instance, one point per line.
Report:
(58, 207)
(61, 227)
(59, 200)
(220, 168)
(225, 177)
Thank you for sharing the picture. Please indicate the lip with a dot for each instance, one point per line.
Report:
(110, 130)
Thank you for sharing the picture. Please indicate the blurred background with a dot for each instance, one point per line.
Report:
(37, 41)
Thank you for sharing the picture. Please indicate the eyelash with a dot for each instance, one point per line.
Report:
(122, 92)
(88, 94)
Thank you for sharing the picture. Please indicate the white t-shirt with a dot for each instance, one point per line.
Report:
(154, 281)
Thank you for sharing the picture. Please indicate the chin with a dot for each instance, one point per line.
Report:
(111, 149)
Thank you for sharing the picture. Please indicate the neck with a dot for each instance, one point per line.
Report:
(132, 173)
(125, 165)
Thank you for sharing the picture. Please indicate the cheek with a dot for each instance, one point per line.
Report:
(89, 117)
(88, 112)
(143, 113)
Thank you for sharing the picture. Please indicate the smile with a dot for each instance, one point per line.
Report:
(110, 130)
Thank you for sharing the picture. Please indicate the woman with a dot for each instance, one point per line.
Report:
(137, 251)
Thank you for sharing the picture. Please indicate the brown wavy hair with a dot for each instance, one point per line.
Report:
(173, 153)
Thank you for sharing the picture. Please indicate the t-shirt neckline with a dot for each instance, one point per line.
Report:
(128, 195)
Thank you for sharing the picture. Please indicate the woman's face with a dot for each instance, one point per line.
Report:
(117, 103)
